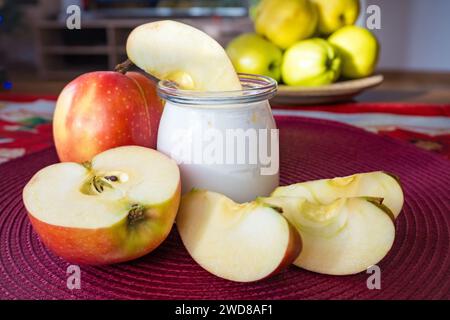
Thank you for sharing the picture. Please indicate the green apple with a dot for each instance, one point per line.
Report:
(286, 22)
(334, 14)
(359, 50)
(253, 4)
(250, 53)
(312, 62)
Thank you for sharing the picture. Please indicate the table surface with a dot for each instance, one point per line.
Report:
(414, 107)
(416, 87)
(415, 268)
(25, 128)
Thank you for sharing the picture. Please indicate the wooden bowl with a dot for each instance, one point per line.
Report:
(336, 92)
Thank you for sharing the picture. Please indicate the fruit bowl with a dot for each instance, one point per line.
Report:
(333, 93)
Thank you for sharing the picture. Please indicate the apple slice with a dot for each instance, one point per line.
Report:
(345, 237)
(118, 207)
(376, 184)
(239, 242)
(175, 51)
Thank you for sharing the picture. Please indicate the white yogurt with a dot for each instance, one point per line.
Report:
(224, 142)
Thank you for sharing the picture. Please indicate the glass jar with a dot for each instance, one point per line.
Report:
(225, 142)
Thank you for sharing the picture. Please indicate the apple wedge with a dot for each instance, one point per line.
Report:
(118, 207)
(171, 50)
(376, 184)
(239, 242)
(342, 238)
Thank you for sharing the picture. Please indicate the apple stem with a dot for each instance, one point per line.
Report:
(124, 66)
(87, 165)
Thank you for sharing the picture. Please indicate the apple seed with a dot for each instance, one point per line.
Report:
(99, 184)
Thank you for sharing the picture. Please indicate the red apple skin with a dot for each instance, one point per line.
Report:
(118, 243)
(293, 250)
(149, 91)
(101, 110)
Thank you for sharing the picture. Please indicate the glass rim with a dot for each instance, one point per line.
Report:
(255, 88)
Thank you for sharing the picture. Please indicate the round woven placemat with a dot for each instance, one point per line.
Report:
(417, 267)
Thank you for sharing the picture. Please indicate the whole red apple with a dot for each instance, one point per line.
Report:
(101, 110)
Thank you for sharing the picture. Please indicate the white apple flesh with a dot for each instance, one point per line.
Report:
(376, 184)
(239, 242)
(342, 238)
(171, 50)
(118, 207)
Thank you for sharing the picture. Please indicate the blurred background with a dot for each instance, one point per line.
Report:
(328, 64)
(38, 54)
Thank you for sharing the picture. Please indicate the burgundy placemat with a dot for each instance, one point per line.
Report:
(417, 267)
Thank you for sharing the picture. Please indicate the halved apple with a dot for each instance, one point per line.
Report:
(376, 184)
(118, 207)
(344, 237)
(239, 242)
(175, 51)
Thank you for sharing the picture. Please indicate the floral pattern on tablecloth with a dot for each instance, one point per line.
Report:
(25, 123)
(25, 127)
(425, 126)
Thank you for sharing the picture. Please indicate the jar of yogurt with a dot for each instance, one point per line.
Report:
(225, 142)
